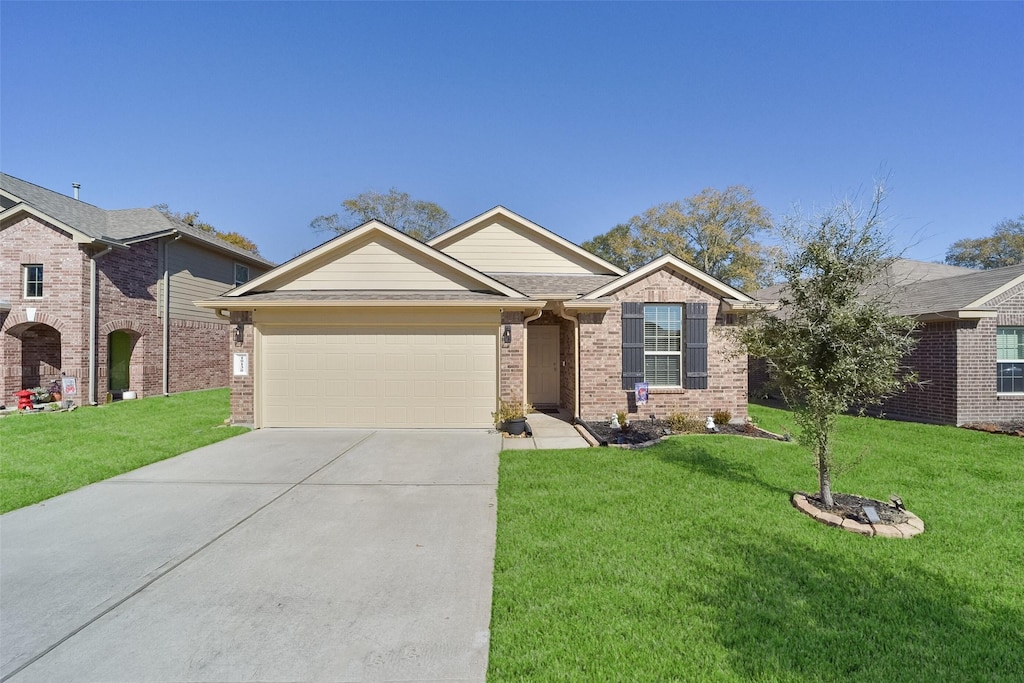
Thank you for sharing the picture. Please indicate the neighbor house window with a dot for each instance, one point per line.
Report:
(241, 274)
(663, 345)
(1010, 360)
(33, 281)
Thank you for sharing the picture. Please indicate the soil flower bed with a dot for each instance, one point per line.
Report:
(646, 432)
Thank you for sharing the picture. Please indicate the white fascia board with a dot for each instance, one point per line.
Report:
(670, 261)
(453, 235)
(359, 233)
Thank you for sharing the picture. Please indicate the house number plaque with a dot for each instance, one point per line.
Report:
(241, 364)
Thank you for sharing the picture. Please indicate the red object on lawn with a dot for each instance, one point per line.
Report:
(24, 399)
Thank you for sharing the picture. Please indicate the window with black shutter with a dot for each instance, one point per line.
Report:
(665, 345)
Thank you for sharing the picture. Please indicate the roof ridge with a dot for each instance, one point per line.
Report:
(53, 192)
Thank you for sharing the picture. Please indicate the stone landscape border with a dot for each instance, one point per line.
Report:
(912, 527)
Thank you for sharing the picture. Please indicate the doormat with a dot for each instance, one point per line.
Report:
(547, 411)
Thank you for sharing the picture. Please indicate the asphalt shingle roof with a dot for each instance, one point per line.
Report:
(918, 287)
(554, 285)
(120, 225)
(952, 293)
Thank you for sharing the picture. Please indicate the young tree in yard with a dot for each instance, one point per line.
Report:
(714, 230)
(833, 346)
(415, 217)
(1005, 247)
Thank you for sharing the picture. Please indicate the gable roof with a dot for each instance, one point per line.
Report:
(964, 294)
(936, 291)
(535, 232)
(88, 223)
(670, 262)
(344, 243)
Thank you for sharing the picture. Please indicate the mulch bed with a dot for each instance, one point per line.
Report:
(850, 506)
(1011, 428)
(644, 431)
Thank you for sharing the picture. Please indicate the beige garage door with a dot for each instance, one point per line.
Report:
(377, 376)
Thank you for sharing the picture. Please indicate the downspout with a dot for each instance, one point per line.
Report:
(167, 318)
(526, 342)
(576, 353)
(93, 315)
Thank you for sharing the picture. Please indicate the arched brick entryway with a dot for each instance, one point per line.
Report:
(36, 348)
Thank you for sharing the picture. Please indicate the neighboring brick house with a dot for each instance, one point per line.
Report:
(376, 329)
(107, 296)
(970, 352)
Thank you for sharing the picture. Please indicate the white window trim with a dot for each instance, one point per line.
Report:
(678, 354)
(234, 274)
(25, 282)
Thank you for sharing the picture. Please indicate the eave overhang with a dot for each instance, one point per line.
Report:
(737, 306)
(961, 314)
(242, 304)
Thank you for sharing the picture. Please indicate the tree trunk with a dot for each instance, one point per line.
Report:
(824, 475)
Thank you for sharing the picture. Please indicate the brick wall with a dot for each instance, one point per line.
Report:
(567, 365)
(242, 408)
(31, 336)
(976, 367)
(510, 358)
(197, 355)
(934, 398)
(601, 357)
(127, 300)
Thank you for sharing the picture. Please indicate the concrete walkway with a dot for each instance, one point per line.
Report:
(549, 431)
(298, 555)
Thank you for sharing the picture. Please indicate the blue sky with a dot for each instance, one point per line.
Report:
(576, 115)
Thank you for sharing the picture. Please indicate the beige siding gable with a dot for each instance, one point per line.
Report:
(378, 263)
(502, 246)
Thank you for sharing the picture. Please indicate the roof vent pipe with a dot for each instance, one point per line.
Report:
(76, 186)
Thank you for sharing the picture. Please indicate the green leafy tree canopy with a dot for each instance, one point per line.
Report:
(833, 346)
(192, 218)
(416, 218)
(1004, 247)
(715, 230)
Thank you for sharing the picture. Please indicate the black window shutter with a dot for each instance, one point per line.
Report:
(696, 346)
(632, 344)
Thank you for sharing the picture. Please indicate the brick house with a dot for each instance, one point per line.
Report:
(106, 296)
(376, 329)
(970, 353)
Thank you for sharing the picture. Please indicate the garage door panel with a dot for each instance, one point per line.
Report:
(377, 377)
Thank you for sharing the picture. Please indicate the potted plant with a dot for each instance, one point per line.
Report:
(511, 416)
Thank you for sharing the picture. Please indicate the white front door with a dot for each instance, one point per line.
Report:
(542, 376)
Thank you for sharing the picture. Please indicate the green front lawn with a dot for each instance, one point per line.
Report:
(686, 561)
(46, 454)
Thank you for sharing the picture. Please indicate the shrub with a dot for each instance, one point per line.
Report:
(722, 417)
(684, 424)
(510, 410)
(623, 417)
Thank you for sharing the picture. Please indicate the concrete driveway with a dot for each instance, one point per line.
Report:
(278, 555)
